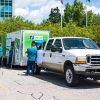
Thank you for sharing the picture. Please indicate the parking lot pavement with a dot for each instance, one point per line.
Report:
(14, 85)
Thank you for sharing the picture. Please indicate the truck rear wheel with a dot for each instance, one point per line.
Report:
(71, 77)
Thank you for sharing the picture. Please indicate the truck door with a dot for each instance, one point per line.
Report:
(56, 57)
(46, 56)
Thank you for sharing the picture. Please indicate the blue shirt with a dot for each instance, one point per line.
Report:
(32, 53)
(1, 51)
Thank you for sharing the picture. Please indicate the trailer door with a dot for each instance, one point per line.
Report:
(8, 46)
(17, 51)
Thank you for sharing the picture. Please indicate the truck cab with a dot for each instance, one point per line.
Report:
(75, 57)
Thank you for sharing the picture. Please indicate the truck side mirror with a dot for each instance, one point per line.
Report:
(59, 50)
(53, 49)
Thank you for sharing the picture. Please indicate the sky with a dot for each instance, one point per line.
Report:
(37, 10)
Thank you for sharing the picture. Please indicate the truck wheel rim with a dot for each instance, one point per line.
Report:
(69, 76)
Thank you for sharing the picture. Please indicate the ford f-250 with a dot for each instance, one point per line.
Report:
(75, 57)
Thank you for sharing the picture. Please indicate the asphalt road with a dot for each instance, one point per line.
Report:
(14, 85)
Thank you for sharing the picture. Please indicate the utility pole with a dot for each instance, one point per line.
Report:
(62, 2)
(61, 13)
(86, 13)
(61, 17)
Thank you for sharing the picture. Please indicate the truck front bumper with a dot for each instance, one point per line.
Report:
(87, 70)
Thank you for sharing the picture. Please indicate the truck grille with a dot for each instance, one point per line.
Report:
(93, 60)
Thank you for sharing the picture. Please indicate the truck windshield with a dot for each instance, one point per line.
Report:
(79, 43)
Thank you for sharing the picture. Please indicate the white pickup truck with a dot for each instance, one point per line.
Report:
(75, 57)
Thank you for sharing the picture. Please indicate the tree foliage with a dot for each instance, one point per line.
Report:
(55, 15)
(73, 23)
(68, 14)
(74, 12)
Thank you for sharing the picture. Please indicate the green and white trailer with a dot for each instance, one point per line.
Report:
(21, 40)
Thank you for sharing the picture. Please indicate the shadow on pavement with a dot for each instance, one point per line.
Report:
(52, 78)
(88, 84)
(18, 67)
(14, 67)
(59, 80)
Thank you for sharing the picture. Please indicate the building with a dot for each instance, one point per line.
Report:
(6, 9)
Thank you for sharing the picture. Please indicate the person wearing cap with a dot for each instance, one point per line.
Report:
(31, 54)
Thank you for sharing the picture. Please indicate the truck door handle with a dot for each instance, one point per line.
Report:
(50, 54)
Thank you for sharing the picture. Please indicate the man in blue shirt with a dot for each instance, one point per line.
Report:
(31, 54)
(1, 54)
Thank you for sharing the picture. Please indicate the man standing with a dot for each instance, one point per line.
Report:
(39, 58)
(31, 54)
(0, 54)
(10, 57)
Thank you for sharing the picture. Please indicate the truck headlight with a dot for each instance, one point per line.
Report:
(80, 60)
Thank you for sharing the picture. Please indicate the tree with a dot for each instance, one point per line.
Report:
(96, 19)
(95, 28)
(74, 12)
(73, 23)
(55, 15)
(78, 12)
(68, 14)
(15, 23)
(90, 17)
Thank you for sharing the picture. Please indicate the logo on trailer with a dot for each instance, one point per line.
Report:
(36, 37)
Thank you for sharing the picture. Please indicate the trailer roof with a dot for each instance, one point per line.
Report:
(31, 31)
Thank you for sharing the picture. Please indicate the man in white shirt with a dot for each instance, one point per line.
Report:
(39, 59)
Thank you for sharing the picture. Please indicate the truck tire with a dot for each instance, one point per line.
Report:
(96, 78)
(70, 76)
(38, 70)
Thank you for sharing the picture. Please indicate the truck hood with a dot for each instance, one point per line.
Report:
(84, 52)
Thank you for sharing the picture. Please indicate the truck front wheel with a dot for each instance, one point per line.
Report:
(70, 76)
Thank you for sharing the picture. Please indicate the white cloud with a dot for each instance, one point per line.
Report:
(35, 10)
(21, 12)
(94, 9)
(24, 3)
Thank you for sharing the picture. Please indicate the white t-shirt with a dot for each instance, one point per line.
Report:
(39, 59)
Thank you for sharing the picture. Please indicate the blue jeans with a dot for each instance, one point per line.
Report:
(30, 65)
